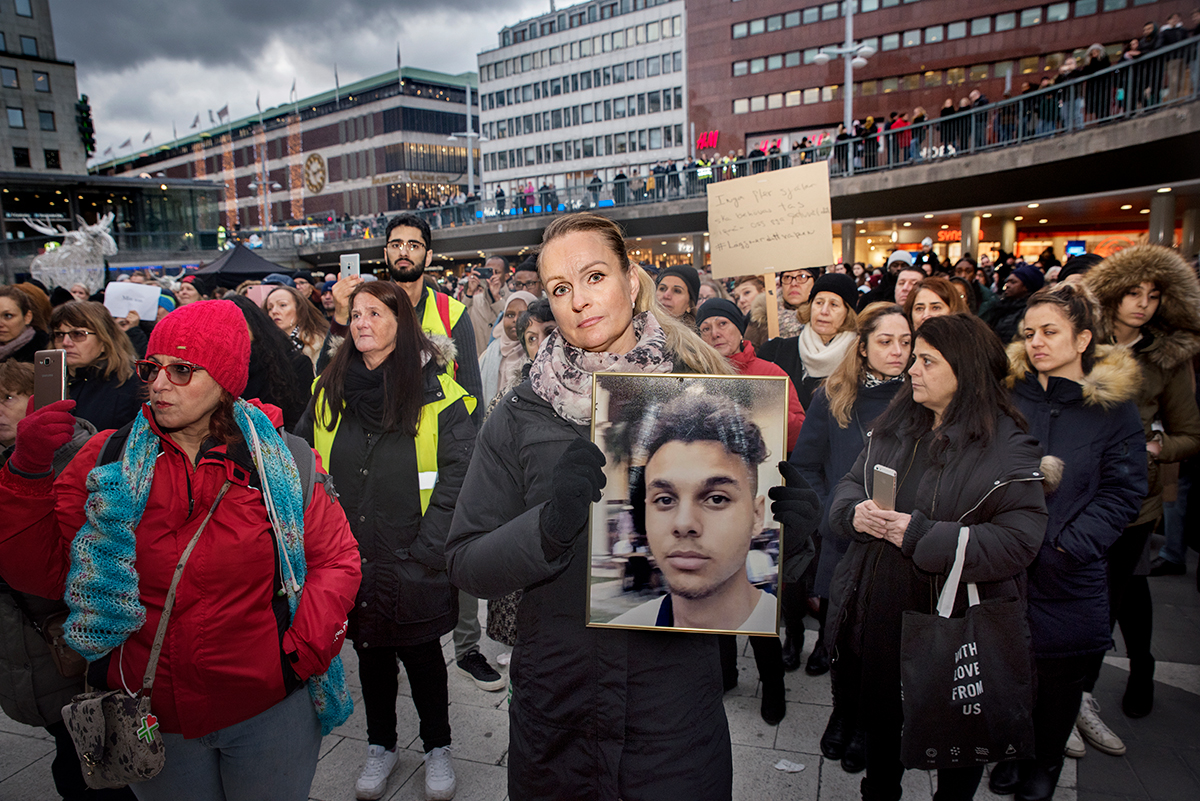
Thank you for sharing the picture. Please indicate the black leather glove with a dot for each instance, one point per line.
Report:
(578, 481)
(797, 508)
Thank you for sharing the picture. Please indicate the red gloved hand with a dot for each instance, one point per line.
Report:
(40, 434)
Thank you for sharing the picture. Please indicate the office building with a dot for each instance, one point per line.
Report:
(585, 91)
(375, 146)
(39, 132)
(756, 80)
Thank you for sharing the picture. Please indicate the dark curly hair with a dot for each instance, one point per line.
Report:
(693, 417)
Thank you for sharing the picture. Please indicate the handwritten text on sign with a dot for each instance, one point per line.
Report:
(771, 222)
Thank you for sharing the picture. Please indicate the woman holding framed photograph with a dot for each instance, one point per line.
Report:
(595, 713)
(961, 458)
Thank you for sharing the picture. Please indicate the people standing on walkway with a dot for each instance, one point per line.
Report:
(1150, 299)
(1076, 395)
(961, 458)
(194, 462)
(835, 431)
(395, 432)
(594, 712)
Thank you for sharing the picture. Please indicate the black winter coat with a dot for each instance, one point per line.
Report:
(595, 713)
(996, 490)
(785, 352)
(825, 452)
(102, 401)
(1094, 428)
(1005, 316)
(405, 597)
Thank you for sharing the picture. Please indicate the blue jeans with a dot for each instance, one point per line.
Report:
(270, 757)
(1174, 514)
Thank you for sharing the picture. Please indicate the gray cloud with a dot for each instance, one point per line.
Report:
(146, 63)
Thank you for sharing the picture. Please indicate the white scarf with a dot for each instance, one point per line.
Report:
(819, 359)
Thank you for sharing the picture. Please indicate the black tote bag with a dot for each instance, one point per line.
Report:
(967, 682)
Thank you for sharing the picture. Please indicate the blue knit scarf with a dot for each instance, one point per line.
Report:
(102, 586)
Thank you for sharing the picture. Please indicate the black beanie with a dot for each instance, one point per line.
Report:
(719, 307)
(839, 284)
(684, 273)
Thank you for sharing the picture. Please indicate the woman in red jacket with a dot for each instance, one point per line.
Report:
(259, 610)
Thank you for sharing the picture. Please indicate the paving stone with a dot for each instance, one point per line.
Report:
(20, 752)
(755, 776)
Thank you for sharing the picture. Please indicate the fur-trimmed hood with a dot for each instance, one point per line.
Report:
(1114, 379)
(1176, 325)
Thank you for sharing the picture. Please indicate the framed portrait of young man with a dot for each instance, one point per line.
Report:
(683, 537)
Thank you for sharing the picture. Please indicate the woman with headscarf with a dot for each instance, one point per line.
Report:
(506, 350)
(811, 356)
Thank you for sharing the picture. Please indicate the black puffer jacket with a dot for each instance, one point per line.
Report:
(405, 597)
(104, 402)
(595, 713)
(996, 490)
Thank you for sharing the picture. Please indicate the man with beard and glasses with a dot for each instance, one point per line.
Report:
(408, 251)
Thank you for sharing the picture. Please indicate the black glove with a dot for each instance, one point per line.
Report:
(797, 508)
(578, 480)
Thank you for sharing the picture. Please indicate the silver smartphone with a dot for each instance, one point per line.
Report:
(883, 488)
(49, 377)
(349, 263)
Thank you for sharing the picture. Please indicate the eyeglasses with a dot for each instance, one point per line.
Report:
(78, 335)
(401, 245)
(521, 286)
(797, 278)
(178, 373)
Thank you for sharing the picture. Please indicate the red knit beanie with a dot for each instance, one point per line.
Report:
(211, 334)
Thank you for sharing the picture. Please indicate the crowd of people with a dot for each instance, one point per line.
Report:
(1034, 403)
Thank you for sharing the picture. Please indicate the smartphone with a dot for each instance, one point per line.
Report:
(484, 272)
(350, 266)
(883, 488)
(258, 293)
(49, 377)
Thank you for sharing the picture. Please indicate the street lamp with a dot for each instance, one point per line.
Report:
(855, 55)
(470, 135)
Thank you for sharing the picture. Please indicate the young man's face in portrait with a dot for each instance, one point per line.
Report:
(702, 509)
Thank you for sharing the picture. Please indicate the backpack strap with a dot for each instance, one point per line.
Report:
(114, 447)
(306, 464)
(443, 308)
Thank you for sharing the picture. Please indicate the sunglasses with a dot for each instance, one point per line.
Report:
(78, 335)
(178, 373)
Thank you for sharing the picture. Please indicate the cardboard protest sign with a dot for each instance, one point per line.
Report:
(771, 222)
(122, 297)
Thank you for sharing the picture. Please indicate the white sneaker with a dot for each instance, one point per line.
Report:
(439, 775)
(373, 779)
(1075, 748)
(1094, 729)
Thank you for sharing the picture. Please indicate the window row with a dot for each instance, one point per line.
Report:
(29, 46)
(573, 18)
(598, 146)
(424, 158)
(600, 111)
(1036, 67)
(21, 158)
(651, 67)
(9, 79)
(668, 28)
(16, 119)
(980, 26)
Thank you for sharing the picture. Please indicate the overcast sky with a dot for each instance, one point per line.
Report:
(147, 63)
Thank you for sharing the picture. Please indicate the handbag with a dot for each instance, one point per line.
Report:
(967, 682)
(115, 732)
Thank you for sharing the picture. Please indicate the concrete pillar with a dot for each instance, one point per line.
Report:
(970, 234)
(1189, 246)
(1162, 219)
(698, 241)
(1008, 235)
(849, 232)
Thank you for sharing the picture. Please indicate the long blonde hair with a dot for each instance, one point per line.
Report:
(681, 340)
(841, 388)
